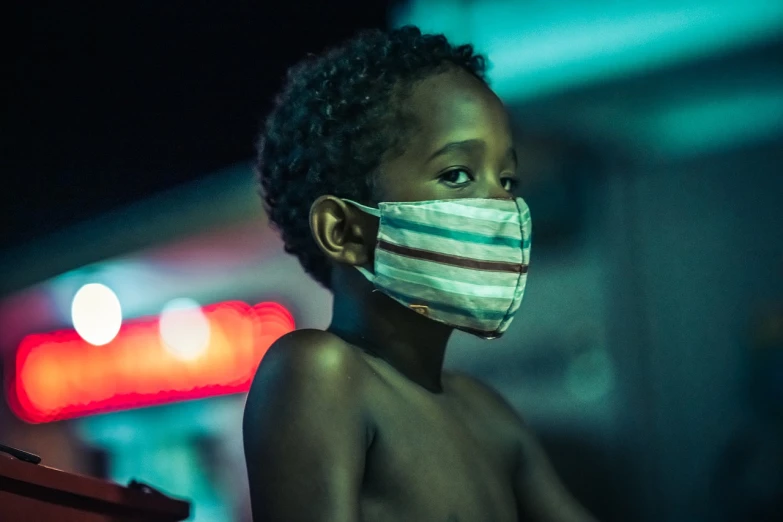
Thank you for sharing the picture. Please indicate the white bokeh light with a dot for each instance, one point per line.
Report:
(184, 328)
(96, 314)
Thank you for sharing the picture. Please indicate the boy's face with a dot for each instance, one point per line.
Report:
(460, 147)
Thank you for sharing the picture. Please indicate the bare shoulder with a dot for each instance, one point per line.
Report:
(311, 353)
(308, 368)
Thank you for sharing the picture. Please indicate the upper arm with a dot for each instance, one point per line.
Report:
(540, 493)
(304, 431)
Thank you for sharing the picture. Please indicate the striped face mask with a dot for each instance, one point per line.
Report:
(462, 262)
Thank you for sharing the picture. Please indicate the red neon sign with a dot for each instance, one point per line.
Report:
(59, 375)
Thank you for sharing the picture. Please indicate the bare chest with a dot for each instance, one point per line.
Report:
(434, 461)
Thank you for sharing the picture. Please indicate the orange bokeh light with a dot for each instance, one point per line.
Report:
(59, 375)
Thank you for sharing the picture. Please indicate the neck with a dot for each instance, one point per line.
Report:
(414, 345)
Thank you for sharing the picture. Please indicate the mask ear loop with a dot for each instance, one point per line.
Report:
(373, 212)
(369, 210)
(366, 273)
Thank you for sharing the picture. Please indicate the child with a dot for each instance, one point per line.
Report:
(359, 422)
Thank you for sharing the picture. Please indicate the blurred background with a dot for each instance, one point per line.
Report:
(140, 283)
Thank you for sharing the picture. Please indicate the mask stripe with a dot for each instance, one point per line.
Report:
(447, 259)
(450, 233)
(423, 294)
(446, 285)
(470, 316)
(502, 253)
(506, 226)
(451, 272)
(458, 210)
(482, 206)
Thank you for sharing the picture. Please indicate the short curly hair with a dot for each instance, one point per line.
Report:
(338, 115)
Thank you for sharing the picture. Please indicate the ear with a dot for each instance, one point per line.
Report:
(341, 231)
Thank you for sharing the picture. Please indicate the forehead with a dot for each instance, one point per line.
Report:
(455, 106)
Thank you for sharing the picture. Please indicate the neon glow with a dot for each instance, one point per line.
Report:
(96, 313)
(184, 328)
(59, 375)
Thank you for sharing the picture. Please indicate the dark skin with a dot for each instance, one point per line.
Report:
(360, 422)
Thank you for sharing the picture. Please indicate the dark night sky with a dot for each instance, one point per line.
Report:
(110, 102)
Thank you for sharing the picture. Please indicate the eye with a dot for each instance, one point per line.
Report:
(456, 177)
(509, 184)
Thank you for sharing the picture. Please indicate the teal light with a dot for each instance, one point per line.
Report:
(164, 448)
(537, 47)
(717, 123)
(590, 375)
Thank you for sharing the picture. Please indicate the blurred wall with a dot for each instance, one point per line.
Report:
(701, 256)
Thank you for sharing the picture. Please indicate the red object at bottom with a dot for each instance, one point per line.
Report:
(34, 493)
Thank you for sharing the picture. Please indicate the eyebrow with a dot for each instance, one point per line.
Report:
(467, 145)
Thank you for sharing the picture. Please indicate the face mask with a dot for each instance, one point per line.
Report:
(462, 262)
